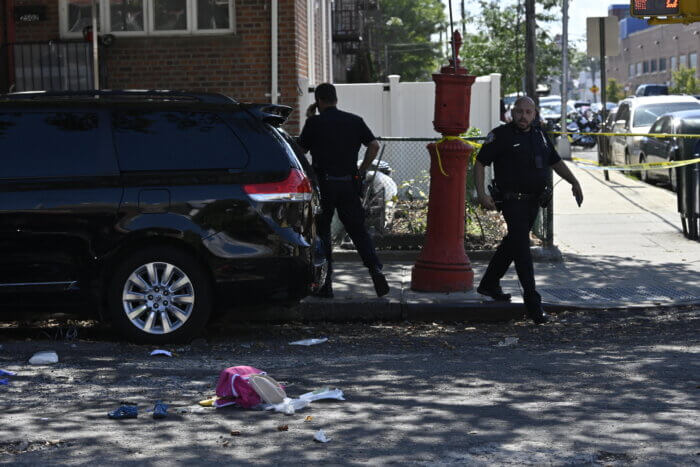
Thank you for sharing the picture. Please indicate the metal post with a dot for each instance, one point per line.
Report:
(95, 53)
(530, 45)
(454, 52)
(549, 235)
(603, 93)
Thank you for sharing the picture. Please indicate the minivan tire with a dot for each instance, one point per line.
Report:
(147, 298)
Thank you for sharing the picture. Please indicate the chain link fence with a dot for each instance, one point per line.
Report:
(397, 202)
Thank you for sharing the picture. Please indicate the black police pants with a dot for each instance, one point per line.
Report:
(520, 216)
(344, 196)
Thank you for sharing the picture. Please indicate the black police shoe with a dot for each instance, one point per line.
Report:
(380, 284)
(496, 293)
(326, 291)
(537, 314)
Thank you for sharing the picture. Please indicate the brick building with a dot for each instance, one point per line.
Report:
(648, 54)
(222, 46)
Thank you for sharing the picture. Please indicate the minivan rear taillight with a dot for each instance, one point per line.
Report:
(295, 188)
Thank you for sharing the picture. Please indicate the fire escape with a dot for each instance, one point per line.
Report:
(352, 39)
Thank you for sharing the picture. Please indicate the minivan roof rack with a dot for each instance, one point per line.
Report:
(125, 94)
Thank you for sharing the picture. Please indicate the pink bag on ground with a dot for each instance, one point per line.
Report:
(233, 388)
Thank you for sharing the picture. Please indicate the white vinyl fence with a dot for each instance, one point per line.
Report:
(407, 110)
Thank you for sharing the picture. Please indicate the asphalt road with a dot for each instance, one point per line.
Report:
(592, 388)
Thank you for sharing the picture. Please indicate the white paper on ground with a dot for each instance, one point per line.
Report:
(323, 393)
(308, 342)
(161, 352)
(320, 436)
(44, 358)
(288, 406)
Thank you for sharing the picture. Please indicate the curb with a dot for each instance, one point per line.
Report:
(539, 255)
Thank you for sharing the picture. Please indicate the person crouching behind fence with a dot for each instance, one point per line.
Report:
(334, 138)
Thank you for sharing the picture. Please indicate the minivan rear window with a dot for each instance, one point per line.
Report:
(175, 140)
(646, 114)
(50, 144)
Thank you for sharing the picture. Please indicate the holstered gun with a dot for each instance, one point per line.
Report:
(545, 197)
(496, 195)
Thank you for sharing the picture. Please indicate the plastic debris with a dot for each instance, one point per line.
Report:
(7, 373)
(269, 390)
(323, 393)
(320, 437)
(308, 342)
(161, 352)
(44, 358)
(208, 402)
(124, 411)
(160, 410)
(4, 382)
(291, 406)
(508, 341)
(288, 406)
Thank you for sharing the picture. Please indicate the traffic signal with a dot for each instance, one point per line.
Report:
(666, 11)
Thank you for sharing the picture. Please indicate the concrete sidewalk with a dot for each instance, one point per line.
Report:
(623, 248)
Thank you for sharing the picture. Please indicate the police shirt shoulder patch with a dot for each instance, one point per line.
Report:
(490, 138)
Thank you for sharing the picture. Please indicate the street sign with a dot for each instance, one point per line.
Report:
(594, 89)
(612, 36)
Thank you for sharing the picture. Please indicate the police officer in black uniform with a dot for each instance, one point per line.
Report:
(522, 155)
(334, 138)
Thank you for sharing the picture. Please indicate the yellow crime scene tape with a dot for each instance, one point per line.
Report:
(451, 138)
(591, 165)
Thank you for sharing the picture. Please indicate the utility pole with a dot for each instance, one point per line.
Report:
(95, 49)
(530, 69)
(464, 22)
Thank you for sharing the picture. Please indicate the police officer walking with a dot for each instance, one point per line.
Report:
(334, 138)
(521, 154)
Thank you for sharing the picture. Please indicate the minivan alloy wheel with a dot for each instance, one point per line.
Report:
(158, 298)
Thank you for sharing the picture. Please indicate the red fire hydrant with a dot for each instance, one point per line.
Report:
(443, 265)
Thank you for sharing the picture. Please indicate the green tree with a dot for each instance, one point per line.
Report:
(684, 81)
(499, 46)
(402, 38)
(614, 91)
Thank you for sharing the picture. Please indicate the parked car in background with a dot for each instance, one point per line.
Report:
(636, 115)
(151, 209)
(651, 90)
(670, 148)
(550, 111)
(597, 106)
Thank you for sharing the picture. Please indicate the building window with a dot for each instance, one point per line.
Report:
(693, 59)
(127, 16)
(662, 64)
(674, 63)
(631, 71)
(639, 68)
(683, 62)
(148, 17)
(645, 66)
(652, 66)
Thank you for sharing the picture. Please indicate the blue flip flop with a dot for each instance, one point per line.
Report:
(125, 411)
(160, 410)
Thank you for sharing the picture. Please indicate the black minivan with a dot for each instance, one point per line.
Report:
(153, 207)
